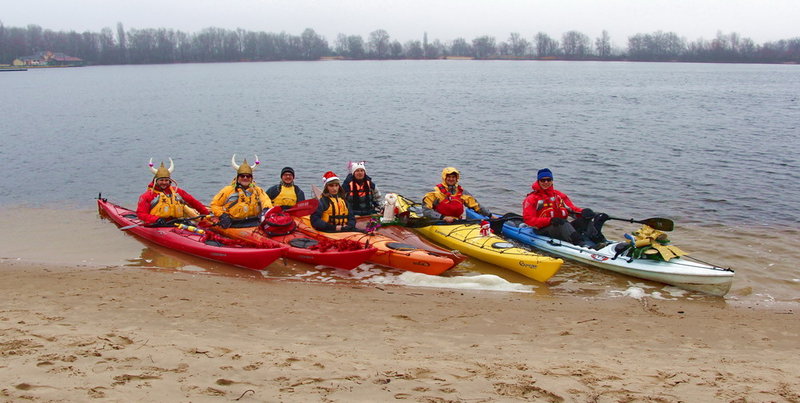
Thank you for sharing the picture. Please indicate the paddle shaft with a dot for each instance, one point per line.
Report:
(149, 225)
(661, 224)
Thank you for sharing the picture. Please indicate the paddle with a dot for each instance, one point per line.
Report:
(303, 208)
(419, 222)
(170, 222)
(661, 224)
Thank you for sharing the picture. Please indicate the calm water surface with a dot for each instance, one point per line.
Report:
(711, 146)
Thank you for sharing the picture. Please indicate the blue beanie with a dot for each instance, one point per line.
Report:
(544, 173)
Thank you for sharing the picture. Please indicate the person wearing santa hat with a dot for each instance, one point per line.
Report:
(360, 191)
(334, 213)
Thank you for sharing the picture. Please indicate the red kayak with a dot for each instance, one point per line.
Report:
(277, 225)
(191, 242)
(304, 249)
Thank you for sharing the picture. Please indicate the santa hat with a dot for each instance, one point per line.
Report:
(329, 177)
(352, 166)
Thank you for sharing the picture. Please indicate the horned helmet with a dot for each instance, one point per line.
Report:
(244, 168)
(162, 171)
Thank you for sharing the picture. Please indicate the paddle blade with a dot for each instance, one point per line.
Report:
(303, 208)
(661, 224)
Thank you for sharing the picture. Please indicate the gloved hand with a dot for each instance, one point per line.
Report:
(485, 212)
(225, 220)
(161, 222)
(587, 213)
(557, 221)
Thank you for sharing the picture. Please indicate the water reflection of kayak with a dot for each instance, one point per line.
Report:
(680, 271)
(190, 242)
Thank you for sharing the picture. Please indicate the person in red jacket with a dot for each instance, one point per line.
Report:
(547, 210)
(162, 202)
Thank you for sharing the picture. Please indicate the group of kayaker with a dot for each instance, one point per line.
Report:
(240, 203)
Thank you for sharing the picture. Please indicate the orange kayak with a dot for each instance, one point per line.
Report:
(391, 252)
(408, 236)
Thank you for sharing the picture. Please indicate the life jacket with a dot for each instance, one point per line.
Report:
(167, 205)
(552, 206)
(243, 203)
(337, 212)
(451, 205)
(360, 195)
(287, 196)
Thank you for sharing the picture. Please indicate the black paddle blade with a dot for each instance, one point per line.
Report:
(661, 224)
(496, 226)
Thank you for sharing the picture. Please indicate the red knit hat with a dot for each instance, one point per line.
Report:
(329, 177)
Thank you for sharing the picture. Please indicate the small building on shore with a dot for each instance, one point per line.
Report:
(48, 59)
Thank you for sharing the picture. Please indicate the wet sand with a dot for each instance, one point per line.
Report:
(89, 312)
(76, 333)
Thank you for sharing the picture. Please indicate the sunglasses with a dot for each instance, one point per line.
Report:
(245, 176)
(546, 180)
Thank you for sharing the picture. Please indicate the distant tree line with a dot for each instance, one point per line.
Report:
(161, 45)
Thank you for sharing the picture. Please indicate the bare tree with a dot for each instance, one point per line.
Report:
(413, 50)
(603, 45)
(378, 44)
(460, 47)
(575, 44)
(484, 46)
(545, 45)
(519, 45)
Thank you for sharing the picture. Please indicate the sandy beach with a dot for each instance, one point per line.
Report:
(127, 334)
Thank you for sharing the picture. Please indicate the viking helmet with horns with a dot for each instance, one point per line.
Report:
(162, 171)
(244, 168)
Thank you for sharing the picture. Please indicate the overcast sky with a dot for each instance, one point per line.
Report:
(760, 20)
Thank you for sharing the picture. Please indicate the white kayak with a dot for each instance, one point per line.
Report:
(680, 272)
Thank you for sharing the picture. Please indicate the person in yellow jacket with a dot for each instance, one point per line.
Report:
(242, 201)
(447, 200)
(334, 213)
(286, 194)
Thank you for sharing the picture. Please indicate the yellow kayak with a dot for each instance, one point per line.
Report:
(467, 238)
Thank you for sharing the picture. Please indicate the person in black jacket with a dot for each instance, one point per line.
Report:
(333, 214)
(360, 191)
(286, 194)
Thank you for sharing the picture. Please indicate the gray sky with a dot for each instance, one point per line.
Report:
(760, 20)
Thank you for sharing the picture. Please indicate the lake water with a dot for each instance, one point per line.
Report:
(713, 147)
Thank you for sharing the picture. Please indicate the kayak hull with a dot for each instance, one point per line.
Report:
(390, 252)
(678, 272)
(408, 236)
(190, 242)
(493, 249)
(345, 260)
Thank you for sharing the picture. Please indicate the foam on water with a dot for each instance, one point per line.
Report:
(485, 282)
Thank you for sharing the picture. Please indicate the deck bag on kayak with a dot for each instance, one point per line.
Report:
(276, 223)
(649, 243)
